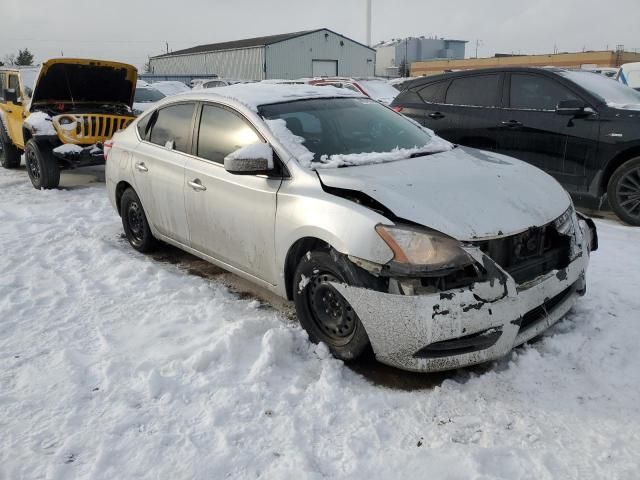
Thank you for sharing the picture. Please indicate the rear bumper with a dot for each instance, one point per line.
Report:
(471, 325)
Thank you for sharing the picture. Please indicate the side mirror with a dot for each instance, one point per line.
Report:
(253, 159)
(10, 95)
(573, 108)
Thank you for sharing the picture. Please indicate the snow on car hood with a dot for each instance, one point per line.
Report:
(465, 193)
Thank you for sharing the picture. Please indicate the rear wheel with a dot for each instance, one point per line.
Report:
(135, 223)
(322, 311)
(9, 153)
(42, 166)
(623, 192)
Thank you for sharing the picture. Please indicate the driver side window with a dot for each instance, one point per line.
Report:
(535, 92)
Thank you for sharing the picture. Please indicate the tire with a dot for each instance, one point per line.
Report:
(135, 223)
(42, 166)
(9, 153)
(623, 192)
(322, 311)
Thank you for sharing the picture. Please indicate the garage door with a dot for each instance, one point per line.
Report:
(324, 68)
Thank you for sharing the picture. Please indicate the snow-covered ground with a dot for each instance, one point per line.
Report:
(114, 365)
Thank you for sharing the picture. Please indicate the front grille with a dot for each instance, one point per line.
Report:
(530, 254)
(92, 128)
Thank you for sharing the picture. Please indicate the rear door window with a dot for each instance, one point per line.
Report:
(222, 132)
(173, 123)
(434, 92)
(535, 92)
(475, 91)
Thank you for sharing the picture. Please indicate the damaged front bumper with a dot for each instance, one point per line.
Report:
(82, 156)
(470, 325)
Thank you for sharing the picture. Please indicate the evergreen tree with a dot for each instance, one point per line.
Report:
(25, 57)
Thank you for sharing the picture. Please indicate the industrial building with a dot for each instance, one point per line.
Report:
(597, 59)
(311, 53)
(391, 56)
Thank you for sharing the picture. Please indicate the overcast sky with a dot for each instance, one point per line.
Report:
(129, 30)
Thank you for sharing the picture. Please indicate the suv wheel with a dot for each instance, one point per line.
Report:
(623, 192)
(135, 223)
(322, 311)
(9, 153)
(42, 166)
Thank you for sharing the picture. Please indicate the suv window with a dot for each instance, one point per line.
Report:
(535, 92)
(173, 123)
(222, 132)
(476, 91)
(434, 92)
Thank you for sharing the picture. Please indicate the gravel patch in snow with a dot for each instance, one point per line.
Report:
(113, 365)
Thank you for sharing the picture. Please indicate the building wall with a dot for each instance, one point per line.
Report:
(385, 59)
(293, 58)
(241, 64)
(565, 60)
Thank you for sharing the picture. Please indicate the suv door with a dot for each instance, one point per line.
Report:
(231, 217)
(13, 111)
(531, 130)
(464, 109)
(158, 168)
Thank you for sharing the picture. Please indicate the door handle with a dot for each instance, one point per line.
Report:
(197, 185)
(511, 124)
(141, 167)
(9, 111)
(436, 115)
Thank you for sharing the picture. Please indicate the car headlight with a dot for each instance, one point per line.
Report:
(564, 223)
(426, 249)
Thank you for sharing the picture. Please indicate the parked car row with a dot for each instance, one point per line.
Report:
(582, 128)
(382, 234)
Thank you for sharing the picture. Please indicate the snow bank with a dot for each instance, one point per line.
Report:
(40, 123)
(183, 379)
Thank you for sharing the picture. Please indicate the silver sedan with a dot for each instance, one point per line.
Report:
(382, 234)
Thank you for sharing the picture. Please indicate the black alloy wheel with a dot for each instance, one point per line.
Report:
(624, 192)
(135, 223)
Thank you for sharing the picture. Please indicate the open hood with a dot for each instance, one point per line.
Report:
(73, 80)
(465, 193)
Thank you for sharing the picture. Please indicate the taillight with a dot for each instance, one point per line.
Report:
(397, 109)
(108, 145)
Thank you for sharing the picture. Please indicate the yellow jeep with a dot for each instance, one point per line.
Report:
(60, 114)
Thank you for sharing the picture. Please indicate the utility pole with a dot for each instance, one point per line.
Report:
(167, 44)
(478, 43)
(368, 23)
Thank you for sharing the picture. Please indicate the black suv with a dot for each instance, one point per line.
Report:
(581, 127)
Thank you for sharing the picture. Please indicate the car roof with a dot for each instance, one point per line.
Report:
(254, 95)
(477, 71)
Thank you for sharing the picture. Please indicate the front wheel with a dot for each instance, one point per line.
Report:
(623, 192)
(42, 166)
(9, 154)
(135, 223)
(322, 311)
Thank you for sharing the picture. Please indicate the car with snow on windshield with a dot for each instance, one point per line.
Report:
(381, 233)
(60, 116)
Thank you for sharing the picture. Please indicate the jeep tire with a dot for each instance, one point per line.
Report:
(42, 166)
(9, 153)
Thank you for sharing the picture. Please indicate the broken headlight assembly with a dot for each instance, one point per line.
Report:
(420, 251)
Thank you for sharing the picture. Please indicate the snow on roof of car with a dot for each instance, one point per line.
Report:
(255, 94)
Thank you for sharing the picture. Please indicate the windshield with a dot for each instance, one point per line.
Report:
(146, 95)
(28, 78)
(348, 131)
(613, 93)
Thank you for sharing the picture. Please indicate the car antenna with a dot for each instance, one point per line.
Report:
(66, 77)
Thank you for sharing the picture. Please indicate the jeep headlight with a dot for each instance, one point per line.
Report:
(428, 250)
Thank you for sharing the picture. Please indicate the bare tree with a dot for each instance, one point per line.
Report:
(9, 59)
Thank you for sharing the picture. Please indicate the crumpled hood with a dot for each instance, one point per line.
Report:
(466, 193)
(68, 80)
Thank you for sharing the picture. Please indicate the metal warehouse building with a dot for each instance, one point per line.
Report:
(288, 56)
